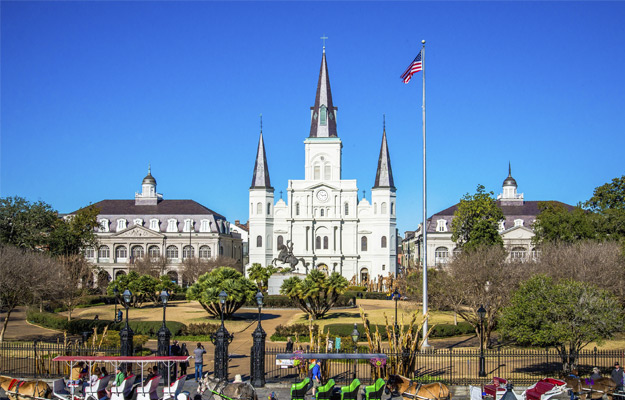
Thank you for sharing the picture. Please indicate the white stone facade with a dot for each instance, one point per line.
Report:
(331, 228)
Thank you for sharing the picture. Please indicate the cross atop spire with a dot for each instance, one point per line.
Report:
(323, 115)
(384, 174)
(260, 178)
(324, 37)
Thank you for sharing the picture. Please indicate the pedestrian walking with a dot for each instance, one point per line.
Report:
(289, 345)
(198, 353)
(617, 376)
(184, 364)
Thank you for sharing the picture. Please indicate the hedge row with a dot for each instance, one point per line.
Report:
(280, 301)
(77, 326)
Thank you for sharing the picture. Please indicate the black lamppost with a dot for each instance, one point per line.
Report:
(481, 312)
(164, 335)
(221, 339)
(355, 336)
(126, 334)
(258, 349)
(116, 294)
(396, 297)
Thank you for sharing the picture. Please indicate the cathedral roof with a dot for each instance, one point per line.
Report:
(323, 116)
(164, 207)
(260, 179)
(149, 178)
(384, 174)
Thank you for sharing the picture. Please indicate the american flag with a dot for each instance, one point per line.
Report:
(414, 67)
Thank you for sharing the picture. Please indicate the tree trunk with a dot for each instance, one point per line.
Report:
(455, 318)
(4, 324)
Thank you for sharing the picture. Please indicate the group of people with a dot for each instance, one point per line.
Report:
(81, 378)
(198, 355)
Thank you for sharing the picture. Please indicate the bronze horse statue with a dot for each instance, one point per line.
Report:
(286, 256)
(24, 390)
(398, 385)
(585, 388)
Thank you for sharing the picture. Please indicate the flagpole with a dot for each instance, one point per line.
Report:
(424, 226)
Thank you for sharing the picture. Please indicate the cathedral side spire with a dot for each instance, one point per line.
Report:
(384, 175)
(260, 179)
(323, 113)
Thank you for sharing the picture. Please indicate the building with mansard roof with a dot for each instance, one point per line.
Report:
(329, 227)
(150, 226)
(515, 229)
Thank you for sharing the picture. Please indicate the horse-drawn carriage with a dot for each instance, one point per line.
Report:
(541, 390)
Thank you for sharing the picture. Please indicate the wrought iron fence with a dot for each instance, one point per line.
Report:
(34, 359)
(455, 366)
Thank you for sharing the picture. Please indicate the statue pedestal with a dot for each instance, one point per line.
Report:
(276, 280)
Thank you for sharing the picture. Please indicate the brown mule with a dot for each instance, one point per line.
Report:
(600, 387)
(401, 386)
(24, 390)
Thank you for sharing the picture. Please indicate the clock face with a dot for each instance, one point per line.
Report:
(322, 195)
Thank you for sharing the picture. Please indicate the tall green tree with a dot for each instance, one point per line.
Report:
(476, 221)
(206, 291)
(261, 275)
(567, 315)
(75, 232)
(556, 223)
(25, 224)
(317, 293)
(608, 201)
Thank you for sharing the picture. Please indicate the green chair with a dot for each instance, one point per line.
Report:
(298, 390)
(374, 392)
(325, 392)
(350, 392)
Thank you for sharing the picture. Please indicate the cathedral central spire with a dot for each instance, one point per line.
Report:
(323, 113)
(384, 174)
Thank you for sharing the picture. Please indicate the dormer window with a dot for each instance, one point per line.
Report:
(137, 222)
(205, 226)
(518, 222)
(154, 224)
(188, 225)
(441, 225)
(121, 224)
(172, 225)
(323, 113)
(104, 225)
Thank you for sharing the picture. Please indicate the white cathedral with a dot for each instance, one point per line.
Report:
(329, 227)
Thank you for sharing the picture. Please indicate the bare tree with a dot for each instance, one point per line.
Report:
(193, 268)
(481, 277)
(153, 266)
(599, 263)
(24, 276)
(73, 277)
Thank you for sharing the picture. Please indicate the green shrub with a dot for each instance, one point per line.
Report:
(449, 330)
(439, 331)
(77, 326)
(356, 289)
(284, 331)
(201, 329)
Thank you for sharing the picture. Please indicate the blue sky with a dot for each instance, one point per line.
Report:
(94, 91)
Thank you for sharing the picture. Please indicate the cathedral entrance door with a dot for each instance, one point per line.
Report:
(323, 268)
(364, 275)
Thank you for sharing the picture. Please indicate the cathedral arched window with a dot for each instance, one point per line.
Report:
(325, 243)
(327, 172)
(205, 252)
(441, 255)
(383, 208)
(268, 208)
(318, 242)
(137, 252)
(363, 243)
(154, 251)
(89, 252)
(259, 208)
(317, 172)
(321, 212)
(346, 208)
(172, 252)
(259, 241)
(383, 242)
(297, 208)
(121, 252)
(375, 208)
(104, 252)
(188, 252)
(280, 240)
(392, 208)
